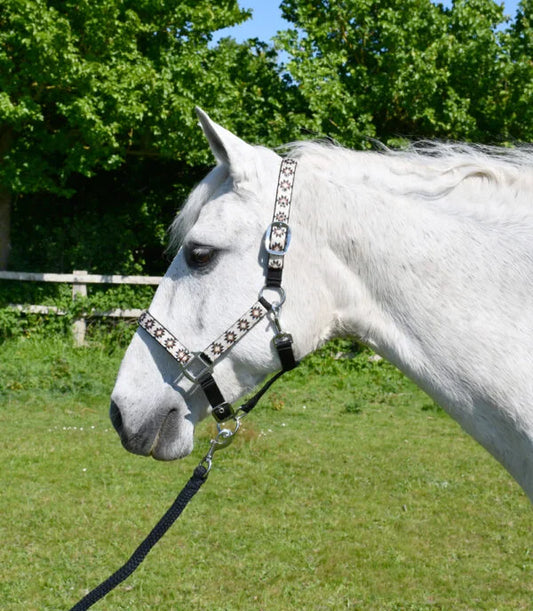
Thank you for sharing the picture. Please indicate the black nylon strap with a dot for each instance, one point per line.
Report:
(221, 409)
(266, 304)
(191, 488)
(283, 343)
(274, 277)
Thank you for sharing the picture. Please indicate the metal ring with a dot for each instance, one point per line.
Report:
(282, 296)
(225, 436)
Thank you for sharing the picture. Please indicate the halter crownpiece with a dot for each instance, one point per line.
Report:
(279, 233)
(198, 366)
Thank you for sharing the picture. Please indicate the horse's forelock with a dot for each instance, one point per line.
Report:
(188, 215)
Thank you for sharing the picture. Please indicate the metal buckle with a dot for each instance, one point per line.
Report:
(268, 238)
(201, 365)
(222, 440)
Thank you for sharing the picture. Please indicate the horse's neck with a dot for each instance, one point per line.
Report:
(425, 290)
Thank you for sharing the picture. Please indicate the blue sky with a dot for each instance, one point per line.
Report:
(267, 20)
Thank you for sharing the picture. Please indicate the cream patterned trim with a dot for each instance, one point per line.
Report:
(165, 338)
(279, 229)
(215, 349)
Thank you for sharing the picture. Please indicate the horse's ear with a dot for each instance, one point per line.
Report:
(226, 147)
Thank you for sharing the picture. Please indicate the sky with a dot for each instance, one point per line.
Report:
(266, 19)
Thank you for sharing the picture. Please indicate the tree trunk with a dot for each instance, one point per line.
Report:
(5, 224)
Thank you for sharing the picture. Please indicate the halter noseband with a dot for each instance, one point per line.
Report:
(198, 366)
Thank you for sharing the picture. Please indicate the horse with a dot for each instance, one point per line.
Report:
(424, 255)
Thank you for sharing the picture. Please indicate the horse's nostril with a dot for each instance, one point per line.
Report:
(116, 418)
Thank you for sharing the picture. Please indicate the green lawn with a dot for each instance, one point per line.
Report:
(348, 489)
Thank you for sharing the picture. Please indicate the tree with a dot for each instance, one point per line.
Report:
(520, 43)
(406, 68)
(86, 83)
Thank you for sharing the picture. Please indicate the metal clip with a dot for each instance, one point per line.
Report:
(223, 439)
(275, 312)
(275, 307)
(277, 324)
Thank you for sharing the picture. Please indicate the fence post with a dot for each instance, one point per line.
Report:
(79, 326)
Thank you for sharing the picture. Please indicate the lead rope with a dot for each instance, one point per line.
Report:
(277, 243)
(172, 514)
(223, 438)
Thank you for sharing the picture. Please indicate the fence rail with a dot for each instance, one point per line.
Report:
(79, 280)
(80, 277)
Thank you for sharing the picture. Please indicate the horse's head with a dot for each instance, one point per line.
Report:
(216, 275)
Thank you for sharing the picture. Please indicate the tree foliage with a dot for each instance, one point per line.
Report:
(86, 85)
(410, 68)
(521, 54)
(97, 99)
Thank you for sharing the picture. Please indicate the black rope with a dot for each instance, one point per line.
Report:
(191, 488)
(173, 513)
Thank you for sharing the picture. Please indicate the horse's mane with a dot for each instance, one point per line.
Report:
(427, 161)
(486, 183)
(429, 170)
(424, 151)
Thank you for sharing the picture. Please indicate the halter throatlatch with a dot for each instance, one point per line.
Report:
(198, 366)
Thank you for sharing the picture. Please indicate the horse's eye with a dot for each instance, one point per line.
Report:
(199, 257)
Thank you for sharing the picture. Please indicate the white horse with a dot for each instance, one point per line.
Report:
(425, 257)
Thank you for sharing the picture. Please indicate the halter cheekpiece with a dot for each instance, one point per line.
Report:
(198, 366)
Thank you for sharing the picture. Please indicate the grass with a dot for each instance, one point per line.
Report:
(348, 489)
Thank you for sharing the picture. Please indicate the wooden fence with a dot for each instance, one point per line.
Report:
(79, 280)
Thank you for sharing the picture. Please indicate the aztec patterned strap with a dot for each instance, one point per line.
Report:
(197, 366)
(230, 337)
(215, 349)
(164, 337)
(280, 234)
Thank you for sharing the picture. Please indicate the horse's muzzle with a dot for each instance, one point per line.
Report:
(161, 437)
(138, 443)
(116, 417)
